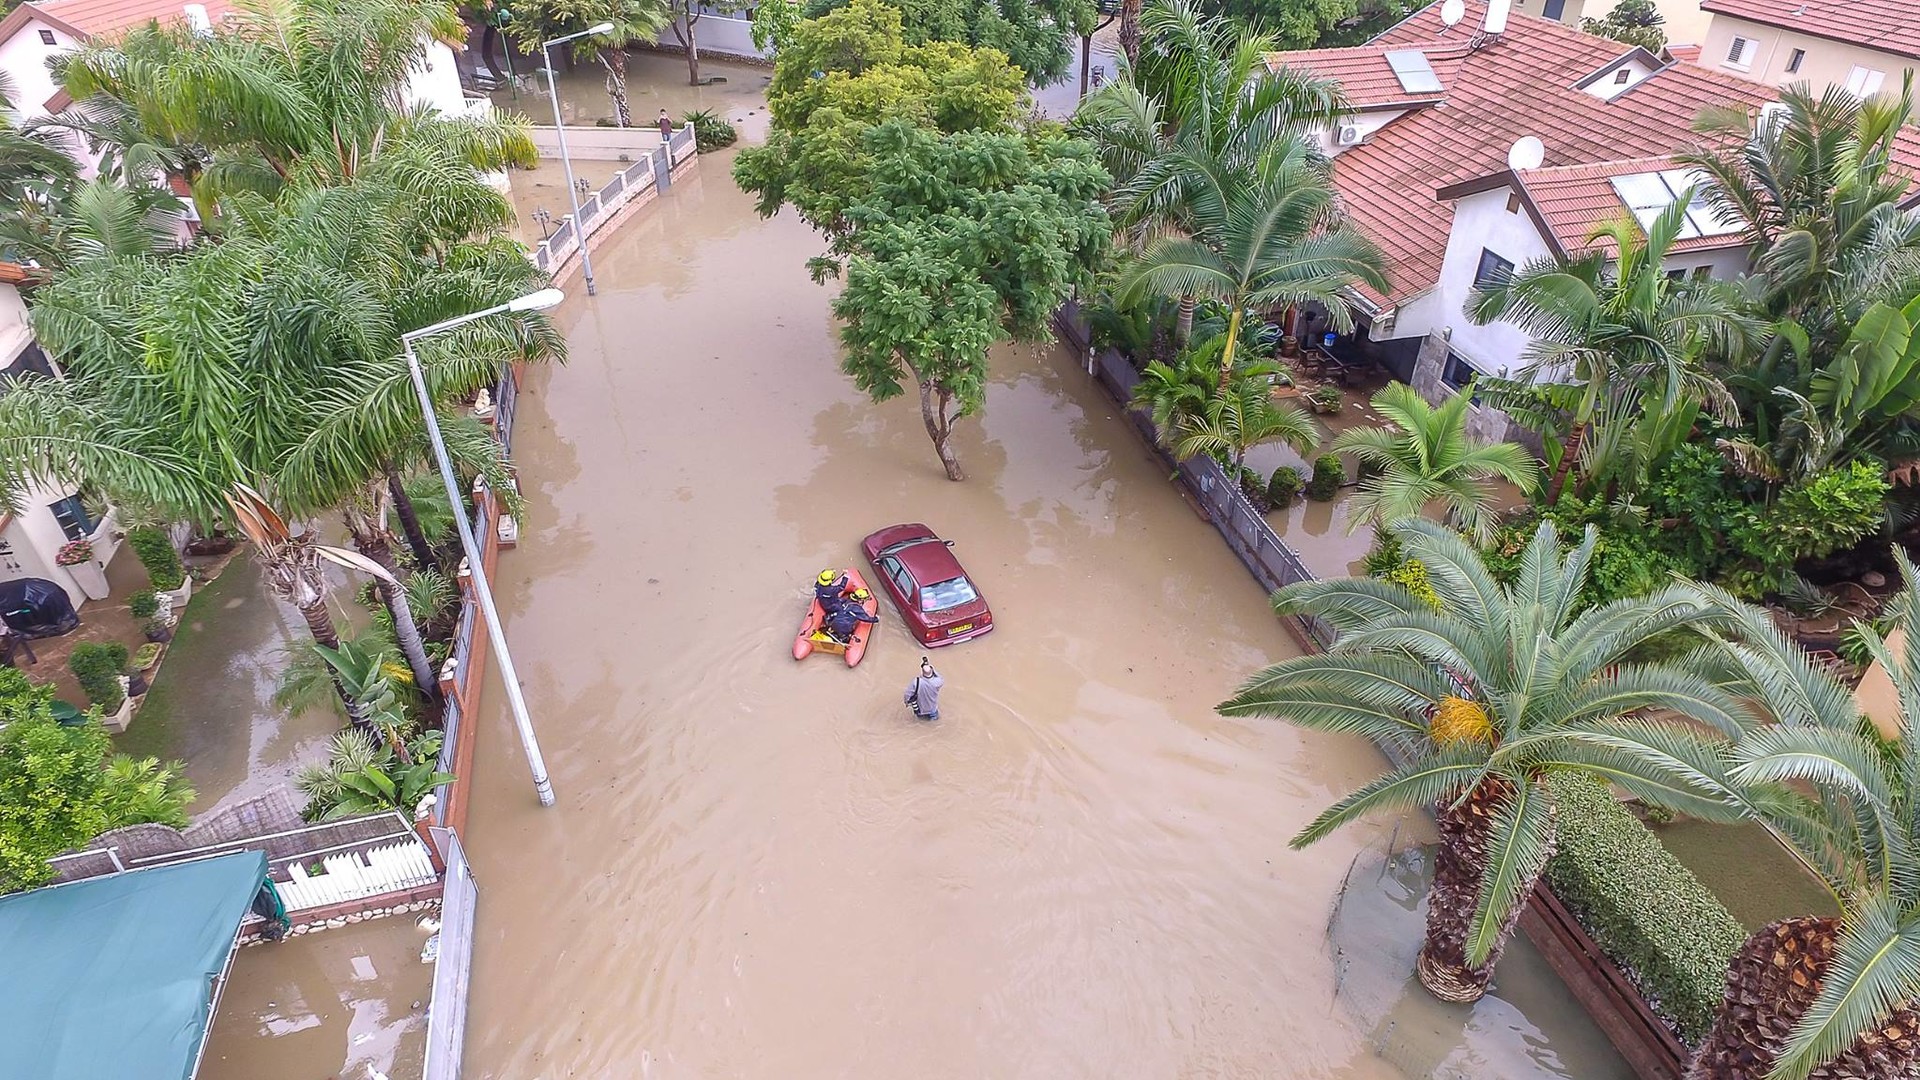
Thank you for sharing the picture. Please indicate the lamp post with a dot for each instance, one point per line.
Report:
(560, 130)
(538, 301)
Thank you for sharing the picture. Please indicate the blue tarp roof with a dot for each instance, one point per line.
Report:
(112, 977)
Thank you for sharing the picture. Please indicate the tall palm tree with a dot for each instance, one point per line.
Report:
(1816, 189)
(1130, 30)
(1423, 456)
(1241, 418)
(312, 92)
(1818, 996)
(1478, 701)
(1200, 110)
(1258, 240)
(1612, 324)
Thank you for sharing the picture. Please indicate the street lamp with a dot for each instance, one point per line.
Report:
(560, 130)
(538, 301)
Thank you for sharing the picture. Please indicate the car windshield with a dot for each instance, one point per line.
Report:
(942, 595)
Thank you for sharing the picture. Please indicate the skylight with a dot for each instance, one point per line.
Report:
(1649, 194)
(1415, 74)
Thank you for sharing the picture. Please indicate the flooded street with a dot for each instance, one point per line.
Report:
(763, 868)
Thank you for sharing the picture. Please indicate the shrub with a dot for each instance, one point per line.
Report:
(1412, 575)
(1285, 486)
(98, 666)
(1328, 475)
(1254, 488)
(146, 656)
(710, 130)
(144, 604)
(154, 548)
(1646, 911)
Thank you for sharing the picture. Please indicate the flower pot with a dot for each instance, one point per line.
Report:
(118, 720)
(179, 595)
(158, 634)
(136, 684)
(91, 579)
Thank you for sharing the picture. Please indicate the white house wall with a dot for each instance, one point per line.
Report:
(720, 34)
(1479, 222)
(24, 59)
(435, 82)
(15, 332)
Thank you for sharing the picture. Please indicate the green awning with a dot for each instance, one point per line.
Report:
(112, 977)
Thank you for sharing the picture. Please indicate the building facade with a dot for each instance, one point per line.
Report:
(1866, 46)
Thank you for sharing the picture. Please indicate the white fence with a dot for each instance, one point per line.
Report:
(636, 181)
(355, 875)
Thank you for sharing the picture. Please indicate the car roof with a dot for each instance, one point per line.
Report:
(929, 561)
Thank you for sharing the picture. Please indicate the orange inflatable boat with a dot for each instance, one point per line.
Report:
(814, 637)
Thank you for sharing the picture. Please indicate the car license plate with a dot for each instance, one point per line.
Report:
(961, 629)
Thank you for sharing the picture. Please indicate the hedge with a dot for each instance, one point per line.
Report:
(155, 551)
(1644, 909)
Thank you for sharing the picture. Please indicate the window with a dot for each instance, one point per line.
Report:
(1703, 273)
(1554, 9)
(1493, 270)
(46, 37)
(1677, 274)
(1457, 373)
(73, 518)
(947, 594)
(1863, 82)
(1793, 62)
(1740, 53)
(1621, 77)
(1513, 202)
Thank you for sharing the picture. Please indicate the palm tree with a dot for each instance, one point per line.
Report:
(1613, 325)
(1201, 110)
(1130, 30)
(1816, 189)
(296, 93)
(1477, 701)
(1816, 995)
(1243, 417)
(1424, 456)
(1267, 241)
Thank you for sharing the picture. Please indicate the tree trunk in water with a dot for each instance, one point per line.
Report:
(616, 61)
(933, 412)
(1458, 865)
(1226, 355)
(410, 522)
(1568, 454)
(1771, 982)
(371, 540)
(1130, 30)
(1183, 324)
(693, 53)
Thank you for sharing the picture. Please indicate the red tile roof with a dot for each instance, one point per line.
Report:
(96, 17)
(1887, 25)
(1688, 53)
(1521, 84)
(1574, 199)
(1364, 75)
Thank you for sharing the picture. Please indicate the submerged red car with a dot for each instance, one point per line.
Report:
(937, 600)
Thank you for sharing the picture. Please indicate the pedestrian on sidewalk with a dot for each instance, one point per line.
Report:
(666, 126)
(923, 694)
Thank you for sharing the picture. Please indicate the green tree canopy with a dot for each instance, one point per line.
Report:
(57, 790)
(957, 242)
(1034, 34)
(847, 71)
(1636, 22)
(1294, 24)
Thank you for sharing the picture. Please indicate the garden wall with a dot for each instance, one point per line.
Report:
(1617, 1008)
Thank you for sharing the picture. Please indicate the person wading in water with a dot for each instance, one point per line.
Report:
(923, 694)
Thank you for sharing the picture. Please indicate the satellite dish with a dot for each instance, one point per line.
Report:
(1527, 153)
(1453, 11)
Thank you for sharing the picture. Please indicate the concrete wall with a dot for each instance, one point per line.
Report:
(435, 82)
(718, 33)
(15, 333)
(598, 143)
(1827, 63)
(1571, 11)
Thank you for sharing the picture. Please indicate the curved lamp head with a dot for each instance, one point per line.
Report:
(536, 301)
(602, 28)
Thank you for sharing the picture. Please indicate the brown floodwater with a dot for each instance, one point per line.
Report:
(349, 1004)
(763, 868)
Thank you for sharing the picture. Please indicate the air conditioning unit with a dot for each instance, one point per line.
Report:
(1347, 134)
